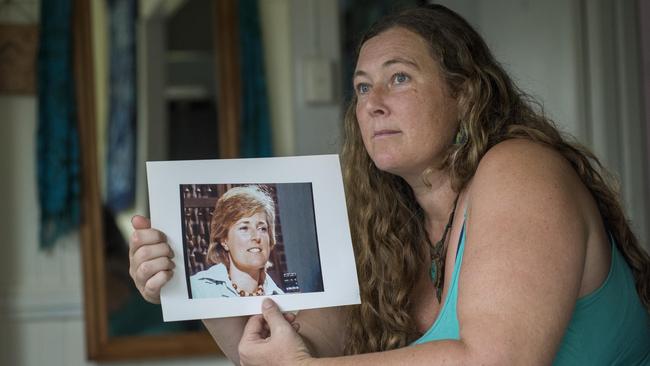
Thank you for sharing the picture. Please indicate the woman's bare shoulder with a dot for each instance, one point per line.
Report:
(512, 155)
(520, 169)
(522, 182)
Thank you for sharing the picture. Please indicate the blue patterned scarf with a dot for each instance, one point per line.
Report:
(121, 153)
(57, 138)
(255, 127)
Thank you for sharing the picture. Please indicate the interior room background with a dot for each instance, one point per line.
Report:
(587, 61)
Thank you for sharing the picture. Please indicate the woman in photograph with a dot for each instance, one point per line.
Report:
(482, 235)
(242, 236)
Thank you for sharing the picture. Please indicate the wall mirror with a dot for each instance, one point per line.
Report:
(180, 77)
(188, 74)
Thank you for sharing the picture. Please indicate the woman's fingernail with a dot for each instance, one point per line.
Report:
(267, 304)
(132, 217)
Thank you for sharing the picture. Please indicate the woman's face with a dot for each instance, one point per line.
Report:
(248, 242)
(406, 116)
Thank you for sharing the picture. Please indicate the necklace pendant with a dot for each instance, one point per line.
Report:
(434, 270)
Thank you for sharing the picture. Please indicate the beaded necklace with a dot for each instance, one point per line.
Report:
(437, 253)
(258, 292)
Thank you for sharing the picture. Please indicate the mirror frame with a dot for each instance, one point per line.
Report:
(99, 346)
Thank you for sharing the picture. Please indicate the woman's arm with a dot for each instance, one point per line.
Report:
(321, 330)
(227, 333)
(151, 268)
(524, 258)
(324, 330)
(285, 347)
(521, 270)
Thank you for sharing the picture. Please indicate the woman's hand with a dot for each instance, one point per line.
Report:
(272, 339)
(150, 259)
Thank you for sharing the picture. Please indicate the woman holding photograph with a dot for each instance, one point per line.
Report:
(242, 236)
(481, 234)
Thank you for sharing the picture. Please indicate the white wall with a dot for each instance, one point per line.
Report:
(38, 296)
(580, 59)
(294, 32)
(315, 34)
(538, 43)
(275, 23)
(40, 292)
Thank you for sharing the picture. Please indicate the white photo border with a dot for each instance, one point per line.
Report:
(340, 283)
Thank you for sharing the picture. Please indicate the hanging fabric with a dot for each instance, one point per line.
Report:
(121, 155)
(57, 137)
(255, 126)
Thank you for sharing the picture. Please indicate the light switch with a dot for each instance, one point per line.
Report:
(318, 76)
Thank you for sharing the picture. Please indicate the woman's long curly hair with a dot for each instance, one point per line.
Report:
(388, 228)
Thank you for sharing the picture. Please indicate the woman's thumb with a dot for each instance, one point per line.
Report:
(140, 222)
(272, 314)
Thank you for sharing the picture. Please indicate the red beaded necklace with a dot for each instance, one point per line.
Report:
(258, 292)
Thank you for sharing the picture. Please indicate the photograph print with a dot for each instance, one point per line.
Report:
(242, 230)
(249, 240)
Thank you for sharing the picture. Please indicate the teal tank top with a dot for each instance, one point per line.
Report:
(609, 326)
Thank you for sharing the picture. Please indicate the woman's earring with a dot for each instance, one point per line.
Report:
(225, 246)
(461, 137)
